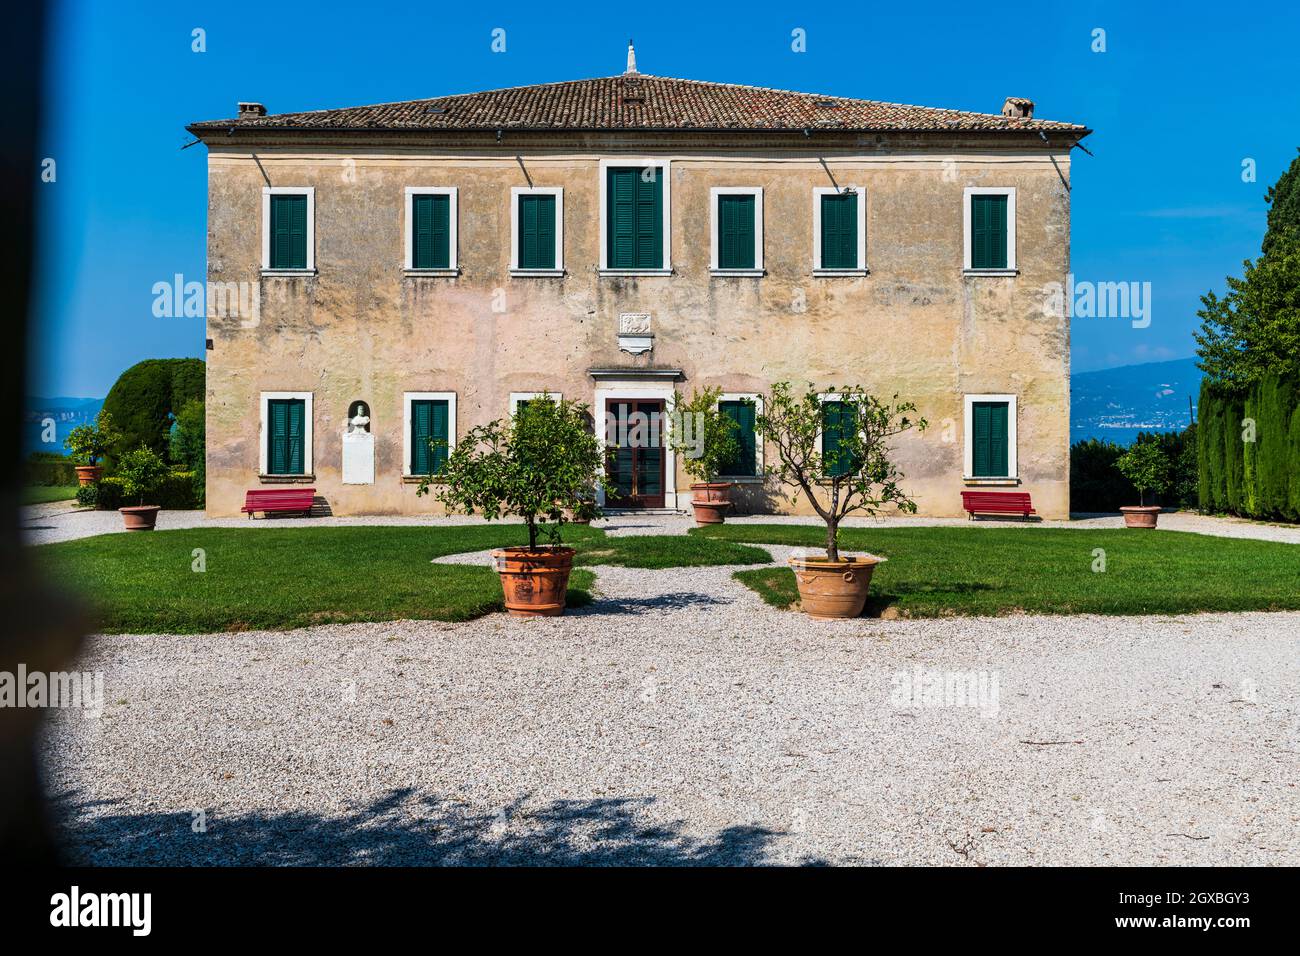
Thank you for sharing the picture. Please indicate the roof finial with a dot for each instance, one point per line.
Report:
(631, 59)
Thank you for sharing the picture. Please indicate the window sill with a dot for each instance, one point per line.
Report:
(619, 273)
(990, 482)
(990, 272)
(536, 273)
(286, 479)
(837, 273)
(288, 273)
(738, 273)
(431, 273)
(416, 479)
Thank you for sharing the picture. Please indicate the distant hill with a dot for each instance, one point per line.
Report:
(66, 412)
(1116, 403)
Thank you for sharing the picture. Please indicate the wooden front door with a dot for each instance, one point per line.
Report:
(635, 463)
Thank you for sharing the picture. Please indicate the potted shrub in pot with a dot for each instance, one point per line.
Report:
(833, 447)
(540, 465)
(706, 440)
(1146, 466)
(88, 444)
(141, 472)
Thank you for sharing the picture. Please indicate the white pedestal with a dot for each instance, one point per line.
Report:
(359, 458)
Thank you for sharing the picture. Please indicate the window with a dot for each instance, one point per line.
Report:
(537, 225)
(520, 400)
(427, 417)
(288, 229)
(990, 436)
(737, 230)
(431, 214)
(840, 231)
(743, 410)
(990, 230)
(635, 217)
(285, 446)
(837, 422)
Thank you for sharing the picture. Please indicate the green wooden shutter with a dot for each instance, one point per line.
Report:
(736, 232)
(431, 231)
(634, 226)
(428, 423)
(988, 221)
(839, 231)
(537, 232)
(837, 421)
(990, 451)
(288, 231)
(287, 439)
(745, 463)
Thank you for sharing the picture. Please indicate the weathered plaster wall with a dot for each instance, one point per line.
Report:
(360, 329)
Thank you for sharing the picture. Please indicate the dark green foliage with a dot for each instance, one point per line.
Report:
(49, 470)
(178, 490)
(146, 396)
(1249, 458)
(88, 496)
(1096, 484)
(1283, 199)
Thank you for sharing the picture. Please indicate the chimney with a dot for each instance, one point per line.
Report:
(251, 110)
(1017, 107)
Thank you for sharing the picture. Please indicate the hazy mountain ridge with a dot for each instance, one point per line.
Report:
(1117, 403)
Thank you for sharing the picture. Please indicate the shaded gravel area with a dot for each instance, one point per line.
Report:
(679, 720)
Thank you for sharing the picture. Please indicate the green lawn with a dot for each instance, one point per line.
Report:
(276, 578)
(42, 494)
(934, 572)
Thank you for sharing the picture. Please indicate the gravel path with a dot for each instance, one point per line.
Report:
(680, 720)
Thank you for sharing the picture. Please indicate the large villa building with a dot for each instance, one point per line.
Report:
(418, 268)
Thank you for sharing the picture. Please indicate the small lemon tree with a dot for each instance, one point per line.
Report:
(89, 443)
(704, 437)
(141, 472)
(852, 473)
(536, 465)
(1146, 466)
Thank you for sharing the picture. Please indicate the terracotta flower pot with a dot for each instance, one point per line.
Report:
(711, 499)
(833, 589)
(88, 474)
(534, 582)
(1140, 516)
(140, 517)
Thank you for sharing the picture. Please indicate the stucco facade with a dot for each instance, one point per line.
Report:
(360, 328)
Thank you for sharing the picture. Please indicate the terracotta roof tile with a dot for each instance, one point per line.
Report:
(640, 102)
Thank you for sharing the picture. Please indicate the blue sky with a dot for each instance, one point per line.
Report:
(1181, 96)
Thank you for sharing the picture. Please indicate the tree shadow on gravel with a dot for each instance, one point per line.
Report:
(667, 601)
(403, 829)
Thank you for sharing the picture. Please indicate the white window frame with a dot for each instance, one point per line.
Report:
(453, 219)
(968, 455)
(515, 193)
(263, 433)
(407, 398)
(818, 193)
(757, 193)
(1010, 193)
(267, 193)
(517, 397)
(665, 169)
(757, 399)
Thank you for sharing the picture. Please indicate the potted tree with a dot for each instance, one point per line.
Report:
(706, 440)
(539, 465)
(141, 472)
(1146, 466)
(833, 447)
(88, 444)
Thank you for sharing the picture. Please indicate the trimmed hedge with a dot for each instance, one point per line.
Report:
(178, 491)
(1257, 478)
(146, 396)
(49, 470)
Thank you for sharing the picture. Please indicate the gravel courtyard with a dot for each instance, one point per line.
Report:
(679, 720)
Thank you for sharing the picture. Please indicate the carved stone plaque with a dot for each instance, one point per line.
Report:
(634, 332)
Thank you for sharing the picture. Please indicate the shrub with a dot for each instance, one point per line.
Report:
(856, 476)
(1095, 483)
(1248, 455)
(146, 396)
(188, 440)
(543, 461)
(50, 470)
(177, 491)
(1146, 466)
(88, 496)
(140, 472)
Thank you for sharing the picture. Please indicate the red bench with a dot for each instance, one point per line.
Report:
(997, 502)
(273, 500)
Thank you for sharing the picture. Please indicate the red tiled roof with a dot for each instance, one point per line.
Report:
(641, 102)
